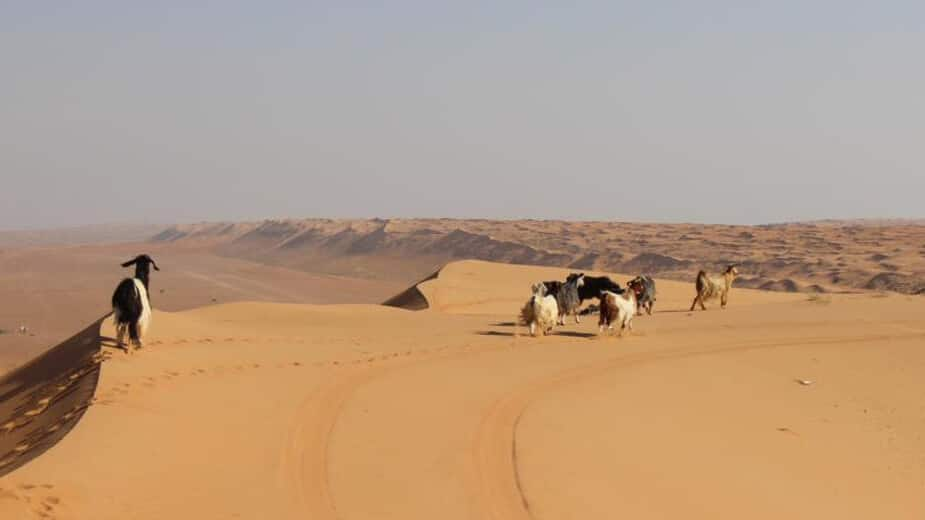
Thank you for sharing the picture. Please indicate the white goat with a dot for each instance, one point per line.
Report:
(710, 287)
(540, 312)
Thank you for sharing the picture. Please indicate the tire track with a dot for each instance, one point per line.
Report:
(305, 460)
(497, 481)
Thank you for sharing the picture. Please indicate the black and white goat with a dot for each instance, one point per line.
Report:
(131, 307)
(567, 297)
(593, 285)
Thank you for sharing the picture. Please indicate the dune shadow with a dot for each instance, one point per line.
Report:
(412, 298)
(41, 401)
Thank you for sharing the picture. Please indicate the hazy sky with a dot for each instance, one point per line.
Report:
(706, 111)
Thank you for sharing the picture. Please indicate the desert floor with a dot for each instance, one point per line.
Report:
(274, 410)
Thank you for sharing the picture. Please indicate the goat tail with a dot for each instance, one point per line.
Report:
(526, 312)
(701, 280)
(133, 330)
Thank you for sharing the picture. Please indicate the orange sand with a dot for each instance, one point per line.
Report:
(261, 410)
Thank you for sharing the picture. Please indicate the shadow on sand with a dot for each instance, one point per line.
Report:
(41, 401)
(567, 333)
(504, 324)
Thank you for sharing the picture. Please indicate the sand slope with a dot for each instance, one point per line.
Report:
(259, 410)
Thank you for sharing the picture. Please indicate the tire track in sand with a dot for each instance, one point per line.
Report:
(494, 450)
(305, 460)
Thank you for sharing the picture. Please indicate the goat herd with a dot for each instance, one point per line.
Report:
(549, 305)
(553, 301)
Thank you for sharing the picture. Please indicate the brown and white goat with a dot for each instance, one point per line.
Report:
(617, 309)
(709, 287)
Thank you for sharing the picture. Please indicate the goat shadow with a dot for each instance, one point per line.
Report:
(505, 324)
(106, 341)
(566, 333)
(573, 334)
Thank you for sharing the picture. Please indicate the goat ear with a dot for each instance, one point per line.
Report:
(130, 262)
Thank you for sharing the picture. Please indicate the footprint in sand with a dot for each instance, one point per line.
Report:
(43, 405)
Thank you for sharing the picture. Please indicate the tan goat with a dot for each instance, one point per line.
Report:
(709, 287)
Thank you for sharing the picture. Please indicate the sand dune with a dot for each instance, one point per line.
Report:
(263, 410)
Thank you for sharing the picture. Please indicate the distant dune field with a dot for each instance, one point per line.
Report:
(783, 405)
(811, 257)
